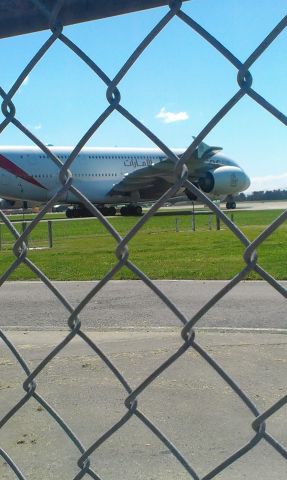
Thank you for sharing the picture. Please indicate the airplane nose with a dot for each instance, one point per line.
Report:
(247, 181)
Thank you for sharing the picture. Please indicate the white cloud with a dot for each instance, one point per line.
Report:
(169, 117)
(268, 182)
(38, 126)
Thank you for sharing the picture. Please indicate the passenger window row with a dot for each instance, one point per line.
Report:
(78, 175)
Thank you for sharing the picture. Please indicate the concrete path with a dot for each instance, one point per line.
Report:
(130, 304)
(189, 402)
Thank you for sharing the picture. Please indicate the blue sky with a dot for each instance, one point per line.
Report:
(175, 87)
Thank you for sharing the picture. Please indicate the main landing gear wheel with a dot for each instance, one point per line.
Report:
(131, 210)
(82, 212)
(77, 212)
(107, 211)
(231, 205)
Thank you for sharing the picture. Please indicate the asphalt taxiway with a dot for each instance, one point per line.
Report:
(190, 402)
(132, 305)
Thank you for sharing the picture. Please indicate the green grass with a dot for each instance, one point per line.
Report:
(84, 250)
(29, 216)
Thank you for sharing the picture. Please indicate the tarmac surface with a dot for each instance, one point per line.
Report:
(263, 205)
(189, 402)
(271, 205)
(132, 305)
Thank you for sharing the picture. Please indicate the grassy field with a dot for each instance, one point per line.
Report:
(84, 250)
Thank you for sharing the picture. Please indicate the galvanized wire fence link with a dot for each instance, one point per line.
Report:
(188, 335)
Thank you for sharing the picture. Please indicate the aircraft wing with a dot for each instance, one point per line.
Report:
(145, 178)
(162, 173)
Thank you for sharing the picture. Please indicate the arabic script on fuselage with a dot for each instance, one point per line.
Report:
(135, 162)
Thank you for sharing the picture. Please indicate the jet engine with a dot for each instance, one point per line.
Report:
(224, 180)
(6, 204)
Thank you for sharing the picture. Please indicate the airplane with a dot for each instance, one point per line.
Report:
(109, 177)
(6, 204)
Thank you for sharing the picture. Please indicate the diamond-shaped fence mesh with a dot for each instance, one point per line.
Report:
(51, 15)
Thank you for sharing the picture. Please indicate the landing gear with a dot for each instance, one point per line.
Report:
(107, 211)
(231, 205)
(230, 202)
(190, 195)
(81, 211)
(131, 210)
(77, 212)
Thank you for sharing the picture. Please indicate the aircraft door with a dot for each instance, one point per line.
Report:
(20, 187)
(3, 178)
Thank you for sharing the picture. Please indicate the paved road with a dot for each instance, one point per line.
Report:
(130, 304)
(272, 205)
(189, 403)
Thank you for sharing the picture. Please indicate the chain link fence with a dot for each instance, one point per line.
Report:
(188, 334)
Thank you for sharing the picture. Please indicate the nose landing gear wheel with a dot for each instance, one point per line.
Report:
(231, 205)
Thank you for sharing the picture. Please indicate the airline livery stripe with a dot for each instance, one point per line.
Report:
(15, 170)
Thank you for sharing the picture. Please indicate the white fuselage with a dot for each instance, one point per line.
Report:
(29, 174)
(95, 171)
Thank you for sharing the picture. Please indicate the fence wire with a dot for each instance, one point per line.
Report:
(188, 334)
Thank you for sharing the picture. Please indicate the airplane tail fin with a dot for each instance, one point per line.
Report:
(205, 151)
